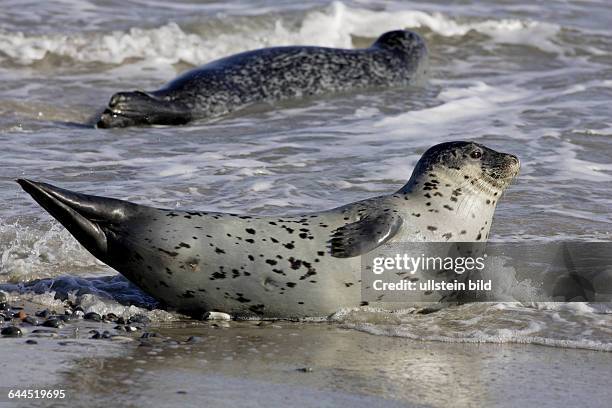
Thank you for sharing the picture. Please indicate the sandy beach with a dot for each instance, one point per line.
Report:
(278, 363)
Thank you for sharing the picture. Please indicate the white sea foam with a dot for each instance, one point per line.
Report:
(332, 26)
(27, 253)
(458, 106)
(573, 325)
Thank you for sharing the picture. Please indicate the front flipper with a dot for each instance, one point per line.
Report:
(363, 236)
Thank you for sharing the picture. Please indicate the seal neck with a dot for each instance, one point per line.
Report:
(450, 179)
(452, 193)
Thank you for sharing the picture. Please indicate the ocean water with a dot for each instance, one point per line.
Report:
(529, 78)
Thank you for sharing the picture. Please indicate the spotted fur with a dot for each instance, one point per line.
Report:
(268, 75)
(279, 266)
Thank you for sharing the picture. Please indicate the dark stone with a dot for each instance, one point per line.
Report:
(43, 313)
(93, 316)
(30, 341)
(53, 322)
(195, 339)
(11, 331)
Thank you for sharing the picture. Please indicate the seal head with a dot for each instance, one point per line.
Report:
(486, 169)
(404, 41)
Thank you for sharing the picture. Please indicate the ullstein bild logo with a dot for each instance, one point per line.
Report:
(490, 272)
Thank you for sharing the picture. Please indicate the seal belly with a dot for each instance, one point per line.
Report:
(204, 262)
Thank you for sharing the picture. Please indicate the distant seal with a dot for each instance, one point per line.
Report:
(283, 266)
(270, 74)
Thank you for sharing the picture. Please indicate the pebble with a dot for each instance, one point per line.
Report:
(139, 318)
(93, 316)
(43, 331)
(78, 314)
(55, 323)
(31, 320)
(122, 339)
(11, 331)
(216, 316)
(305, 369)
(30, 341)
(46, 335)
(96, 334)
(43, 313)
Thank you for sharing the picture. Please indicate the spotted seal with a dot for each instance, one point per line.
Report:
(270, 74)
(283, 266)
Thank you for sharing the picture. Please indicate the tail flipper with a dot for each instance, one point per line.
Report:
(84, 216)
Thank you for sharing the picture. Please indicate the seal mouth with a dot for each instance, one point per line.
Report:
(505, 171)
(111, 119)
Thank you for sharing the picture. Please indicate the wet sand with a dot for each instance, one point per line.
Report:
(276, 364)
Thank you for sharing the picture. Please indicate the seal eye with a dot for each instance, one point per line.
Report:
(476, 154)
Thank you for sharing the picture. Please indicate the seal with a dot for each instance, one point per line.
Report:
(283, 266)
(397, 58)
